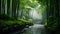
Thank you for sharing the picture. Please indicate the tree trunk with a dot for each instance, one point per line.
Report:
(18, 8)
(14, 5)
(5, 6)
(0, 6)
(8, 7)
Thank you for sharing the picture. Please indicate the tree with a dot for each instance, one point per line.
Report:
(53, 15)
(0, 6)
(8, 7)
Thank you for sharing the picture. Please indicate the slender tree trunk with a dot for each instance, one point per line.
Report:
(5, 6)
(57, 13)
(0, 6)
(18, 8)
(8, 7)
(14, 5)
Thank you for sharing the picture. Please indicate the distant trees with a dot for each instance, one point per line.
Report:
(16, 8)
(53, 15)
(9, 7)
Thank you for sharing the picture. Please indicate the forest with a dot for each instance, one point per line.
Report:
(16, 16)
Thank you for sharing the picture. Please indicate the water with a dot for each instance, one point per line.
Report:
(36, 29)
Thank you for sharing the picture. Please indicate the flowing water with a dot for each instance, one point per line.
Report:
(36, 29)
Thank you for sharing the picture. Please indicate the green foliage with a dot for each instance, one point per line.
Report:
(8, 24)
(28, 3)
(23, 19)
(15, 22)
(6, 20)
(42, 2)
(51, 23)
(5, 17)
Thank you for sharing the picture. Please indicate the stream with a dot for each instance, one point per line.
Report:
(35, 29)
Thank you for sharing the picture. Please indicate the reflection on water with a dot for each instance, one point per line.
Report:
(35, 29)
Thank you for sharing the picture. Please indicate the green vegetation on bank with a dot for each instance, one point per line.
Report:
(6, 20)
